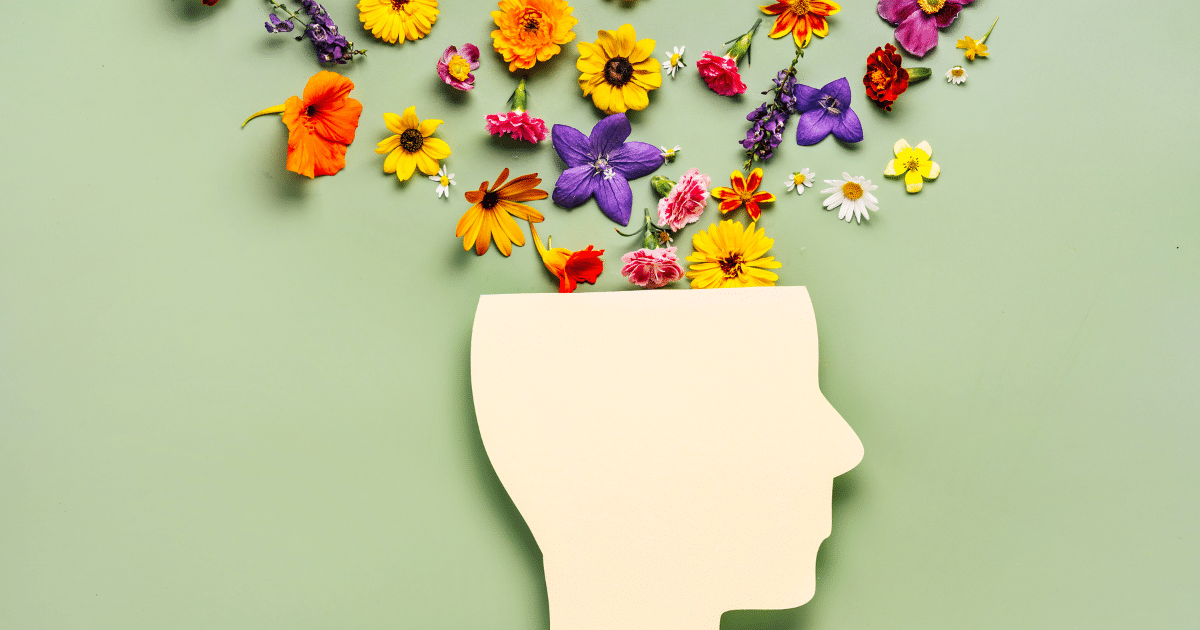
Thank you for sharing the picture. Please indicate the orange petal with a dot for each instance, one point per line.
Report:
(755, 179)
(762, 197)
(724, 193)
(738, 181)
(818, 24)
(729, 205)
(783, 24)
(753, 209)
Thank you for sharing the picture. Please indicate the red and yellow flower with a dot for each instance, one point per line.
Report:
(743, 191)
(803, 18)
(321, 124)
(491, 215)
(569, 267)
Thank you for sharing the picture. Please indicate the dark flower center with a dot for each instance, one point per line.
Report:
(399, 4)
(411, 140)
(490, 199)
(311, 111)
(731, 265)
(618, 71)
(830, 104)
(531, 19)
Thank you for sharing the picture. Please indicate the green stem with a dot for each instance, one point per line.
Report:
(985, 35)
(291, 16)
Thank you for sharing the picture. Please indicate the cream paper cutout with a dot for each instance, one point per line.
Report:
(671, 451)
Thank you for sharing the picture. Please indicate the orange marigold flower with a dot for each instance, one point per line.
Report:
(744, 191)
(492, 215)
(804, 18)
(321, 124)
(569, 267)
(529, 31)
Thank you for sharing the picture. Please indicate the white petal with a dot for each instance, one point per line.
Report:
(924, 146)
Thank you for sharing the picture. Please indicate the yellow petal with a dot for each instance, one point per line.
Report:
(890, 171)
(390, 162)
(635, 98)
(901, 145)
(436, 148)
(642, 50)
(912, 181)
(428, 126)
(606, 41)
(602, 97)
(931, 170)
(903, 157)
(405, 165)
(393, 123)
(626, 40)
(387, 146)
(409, 119)
(925, 148)
(427, 164)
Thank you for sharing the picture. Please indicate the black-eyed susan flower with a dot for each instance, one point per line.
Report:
(398, 20)
(618, 71)
(412, 147)
(491, 215)
(728, 256)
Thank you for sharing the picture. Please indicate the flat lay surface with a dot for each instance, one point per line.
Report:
(235, 397)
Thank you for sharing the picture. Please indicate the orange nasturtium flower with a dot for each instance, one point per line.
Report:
(492, 215)
(803, 18)
(569, 267)
(529, 31)
(743, 192)
(321, 124)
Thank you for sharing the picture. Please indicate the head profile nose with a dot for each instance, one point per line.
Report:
(846, 448)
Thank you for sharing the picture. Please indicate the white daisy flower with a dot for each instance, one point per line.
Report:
(956, 75)
(853, 195)
(797, 181)
(444, 182)
(668, 155)
(674, 60)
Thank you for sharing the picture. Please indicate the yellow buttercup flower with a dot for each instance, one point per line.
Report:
(728, 256)
(972, 47)
(398, 20)
(914, 164)
(412, 147)
(618, 71)
(529, 31)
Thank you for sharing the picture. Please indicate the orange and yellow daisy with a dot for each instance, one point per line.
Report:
(529, 31)
(411, 148)
(743, 191)
(803, 18)
(618, 71)
(491, 216)
(727, 256)
(398, 20)
(321, 124)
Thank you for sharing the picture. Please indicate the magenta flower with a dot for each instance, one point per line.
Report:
(455, 67)
(517, 123)
(651, 268)
(917, 21)
(601, 166)
(686, 201)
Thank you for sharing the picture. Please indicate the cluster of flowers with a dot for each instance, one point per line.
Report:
(617, 73)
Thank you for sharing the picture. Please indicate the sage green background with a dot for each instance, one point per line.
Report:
(234, 398)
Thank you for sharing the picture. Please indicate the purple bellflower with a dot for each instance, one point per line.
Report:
(601, 166)
(771, 117)
(826, 111)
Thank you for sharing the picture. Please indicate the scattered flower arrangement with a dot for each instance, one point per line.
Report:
(617, 73)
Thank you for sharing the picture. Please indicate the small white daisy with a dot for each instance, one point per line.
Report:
(668, 155)
(444, 182)
(956, 75)
(853, 195)
(797, 181)
(674, 60)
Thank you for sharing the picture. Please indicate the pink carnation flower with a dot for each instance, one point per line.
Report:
(651, 268)
(720, 74)
(455, 67)
(520, 125)
(686, 201)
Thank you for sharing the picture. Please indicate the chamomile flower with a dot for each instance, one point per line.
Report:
(444, 182)
(797, 181)
(674, 60)
(956, 75)
(853, 195)
(668, 155)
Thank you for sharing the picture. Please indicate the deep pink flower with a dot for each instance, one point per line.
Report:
(721, 74)
(686, 201)
(520, 125)
(917, 21)
(455, 67)
(651, 268)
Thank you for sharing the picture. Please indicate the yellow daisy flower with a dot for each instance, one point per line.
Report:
(971, 48)
(398, 20)
(914, 164)
(618, 70)
(728, 256)
(411, 147)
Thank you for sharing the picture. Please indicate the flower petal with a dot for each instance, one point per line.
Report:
(405, 165)
(839, 89)
(409, 120)
(895, 11)
(930, 170)
(918, 33)
(609, 133)
(436, 148)
(641, 51)
(428, 126)
(900, 145)
(571, 145)
(890, 169)
(912, 181)
(813, 126)
(635, 159)
(806, 97)
(575, 185)
(848, 127)
(615, 198)
(924, 146)
(755, 179)
(944, 17)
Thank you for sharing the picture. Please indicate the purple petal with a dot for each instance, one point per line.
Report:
(848, 127)
(615, 198)
(470, 52)
(944, 17)
(813, 126)
(635, 159)
(575, 185)
(917, 33)
(806, 97)
(610, 133)
(449, 54)
(840, 90)
(895, 11)
(571, 145)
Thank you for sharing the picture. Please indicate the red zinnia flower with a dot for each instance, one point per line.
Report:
(720, 74)
(885, 79)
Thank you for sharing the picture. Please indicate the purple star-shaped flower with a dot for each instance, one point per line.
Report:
(602, 166)
(826, 111)
(917, 22)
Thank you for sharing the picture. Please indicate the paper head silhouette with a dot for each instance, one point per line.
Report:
(671, 451)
